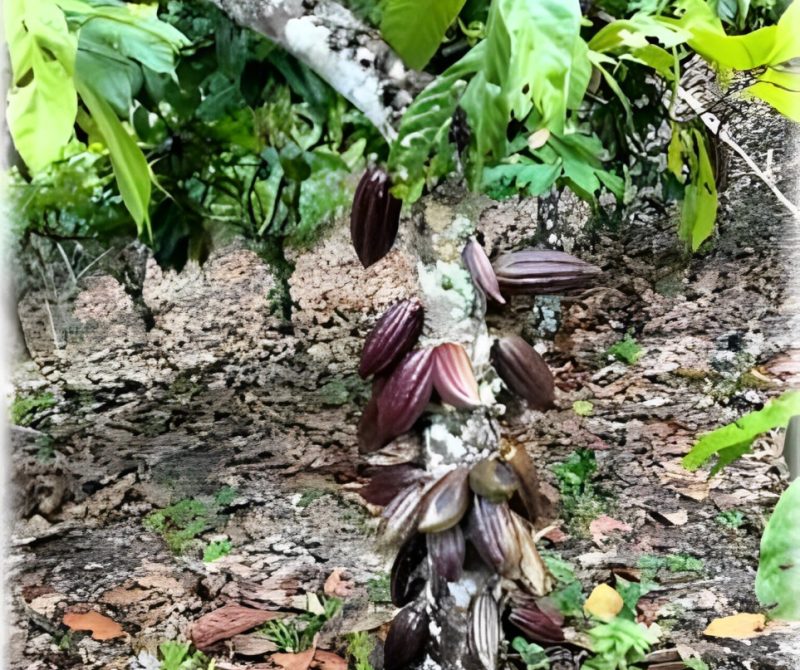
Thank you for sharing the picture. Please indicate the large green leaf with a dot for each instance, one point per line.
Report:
(425, 120)
(415, 28)
(531, 54)
(778, 577)
(130, 166)
(699, 210)
(43, 103)
(738, 436)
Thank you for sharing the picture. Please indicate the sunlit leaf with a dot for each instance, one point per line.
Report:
(415, 28)
(130, 166)
(775, 414)
(699, 211)
(778, 577)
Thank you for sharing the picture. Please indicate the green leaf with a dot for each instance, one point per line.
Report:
(675, 153)
(699, 211)
(415, 28)
(425, 119)
(739, 435)
(130, 166)
(43, 104)
(533, 178)
(778, 577)
(781, 89)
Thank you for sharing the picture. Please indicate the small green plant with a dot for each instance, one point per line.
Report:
(225, 496)
(180, 523)
(216, 549)
(731, 518)
(180, 656)
(579, 498)
(378, 589)
(24, 407)
(582, 408)
(650, 564)
(619, 644)
(695, 664)
(309, 496)
(297, 635)
(627, 350)
(568, 595)
(532, 655)
(359, 647)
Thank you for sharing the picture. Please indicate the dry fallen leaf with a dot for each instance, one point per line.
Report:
(337, 585)
(326, 660)
(604, 603)
(678, 518)
(603, 525)
(227, 621)
(301, 661)
(101, 626)
(737, 627)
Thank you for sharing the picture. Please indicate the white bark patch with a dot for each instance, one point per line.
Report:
(310, 42)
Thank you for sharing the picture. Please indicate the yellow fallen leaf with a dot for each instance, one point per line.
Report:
(738, 626)
(603, 603)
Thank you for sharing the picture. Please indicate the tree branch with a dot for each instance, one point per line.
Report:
(341, 49)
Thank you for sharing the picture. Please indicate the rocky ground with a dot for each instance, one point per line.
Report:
(170, 410)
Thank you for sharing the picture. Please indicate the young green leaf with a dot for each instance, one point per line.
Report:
(415, 28)
(778, 577)
(736, 438)
(699, 211)
(42, 102)
(130, 165)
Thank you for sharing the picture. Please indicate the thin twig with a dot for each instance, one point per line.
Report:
(714, 125)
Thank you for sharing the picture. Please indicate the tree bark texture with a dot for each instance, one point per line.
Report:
(345, 52)
(172, 386)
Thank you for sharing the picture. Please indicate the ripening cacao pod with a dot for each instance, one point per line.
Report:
(405, 395)
(493, 479)
(446, 550)
(401, 515)
(393, 336)
(542, 271)
(453, 378)
(480, 267)
(445, 502)
(374, 217)
(539, 622)
(524, 371)
(493, 534)
(370, 436)
(406, 639)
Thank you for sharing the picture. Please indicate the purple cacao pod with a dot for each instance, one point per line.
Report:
(480, 267)
(374, 217)
(542, 271)
(393, 336)
(484, 629)
(446, 550)
(405, 395)
(406, 582)
(406, 639)
(524, 371)
(493, 534)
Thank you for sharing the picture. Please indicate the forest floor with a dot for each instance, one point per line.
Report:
(163, 415)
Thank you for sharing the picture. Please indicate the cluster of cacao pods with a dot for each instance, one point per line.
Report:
(469, 515)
